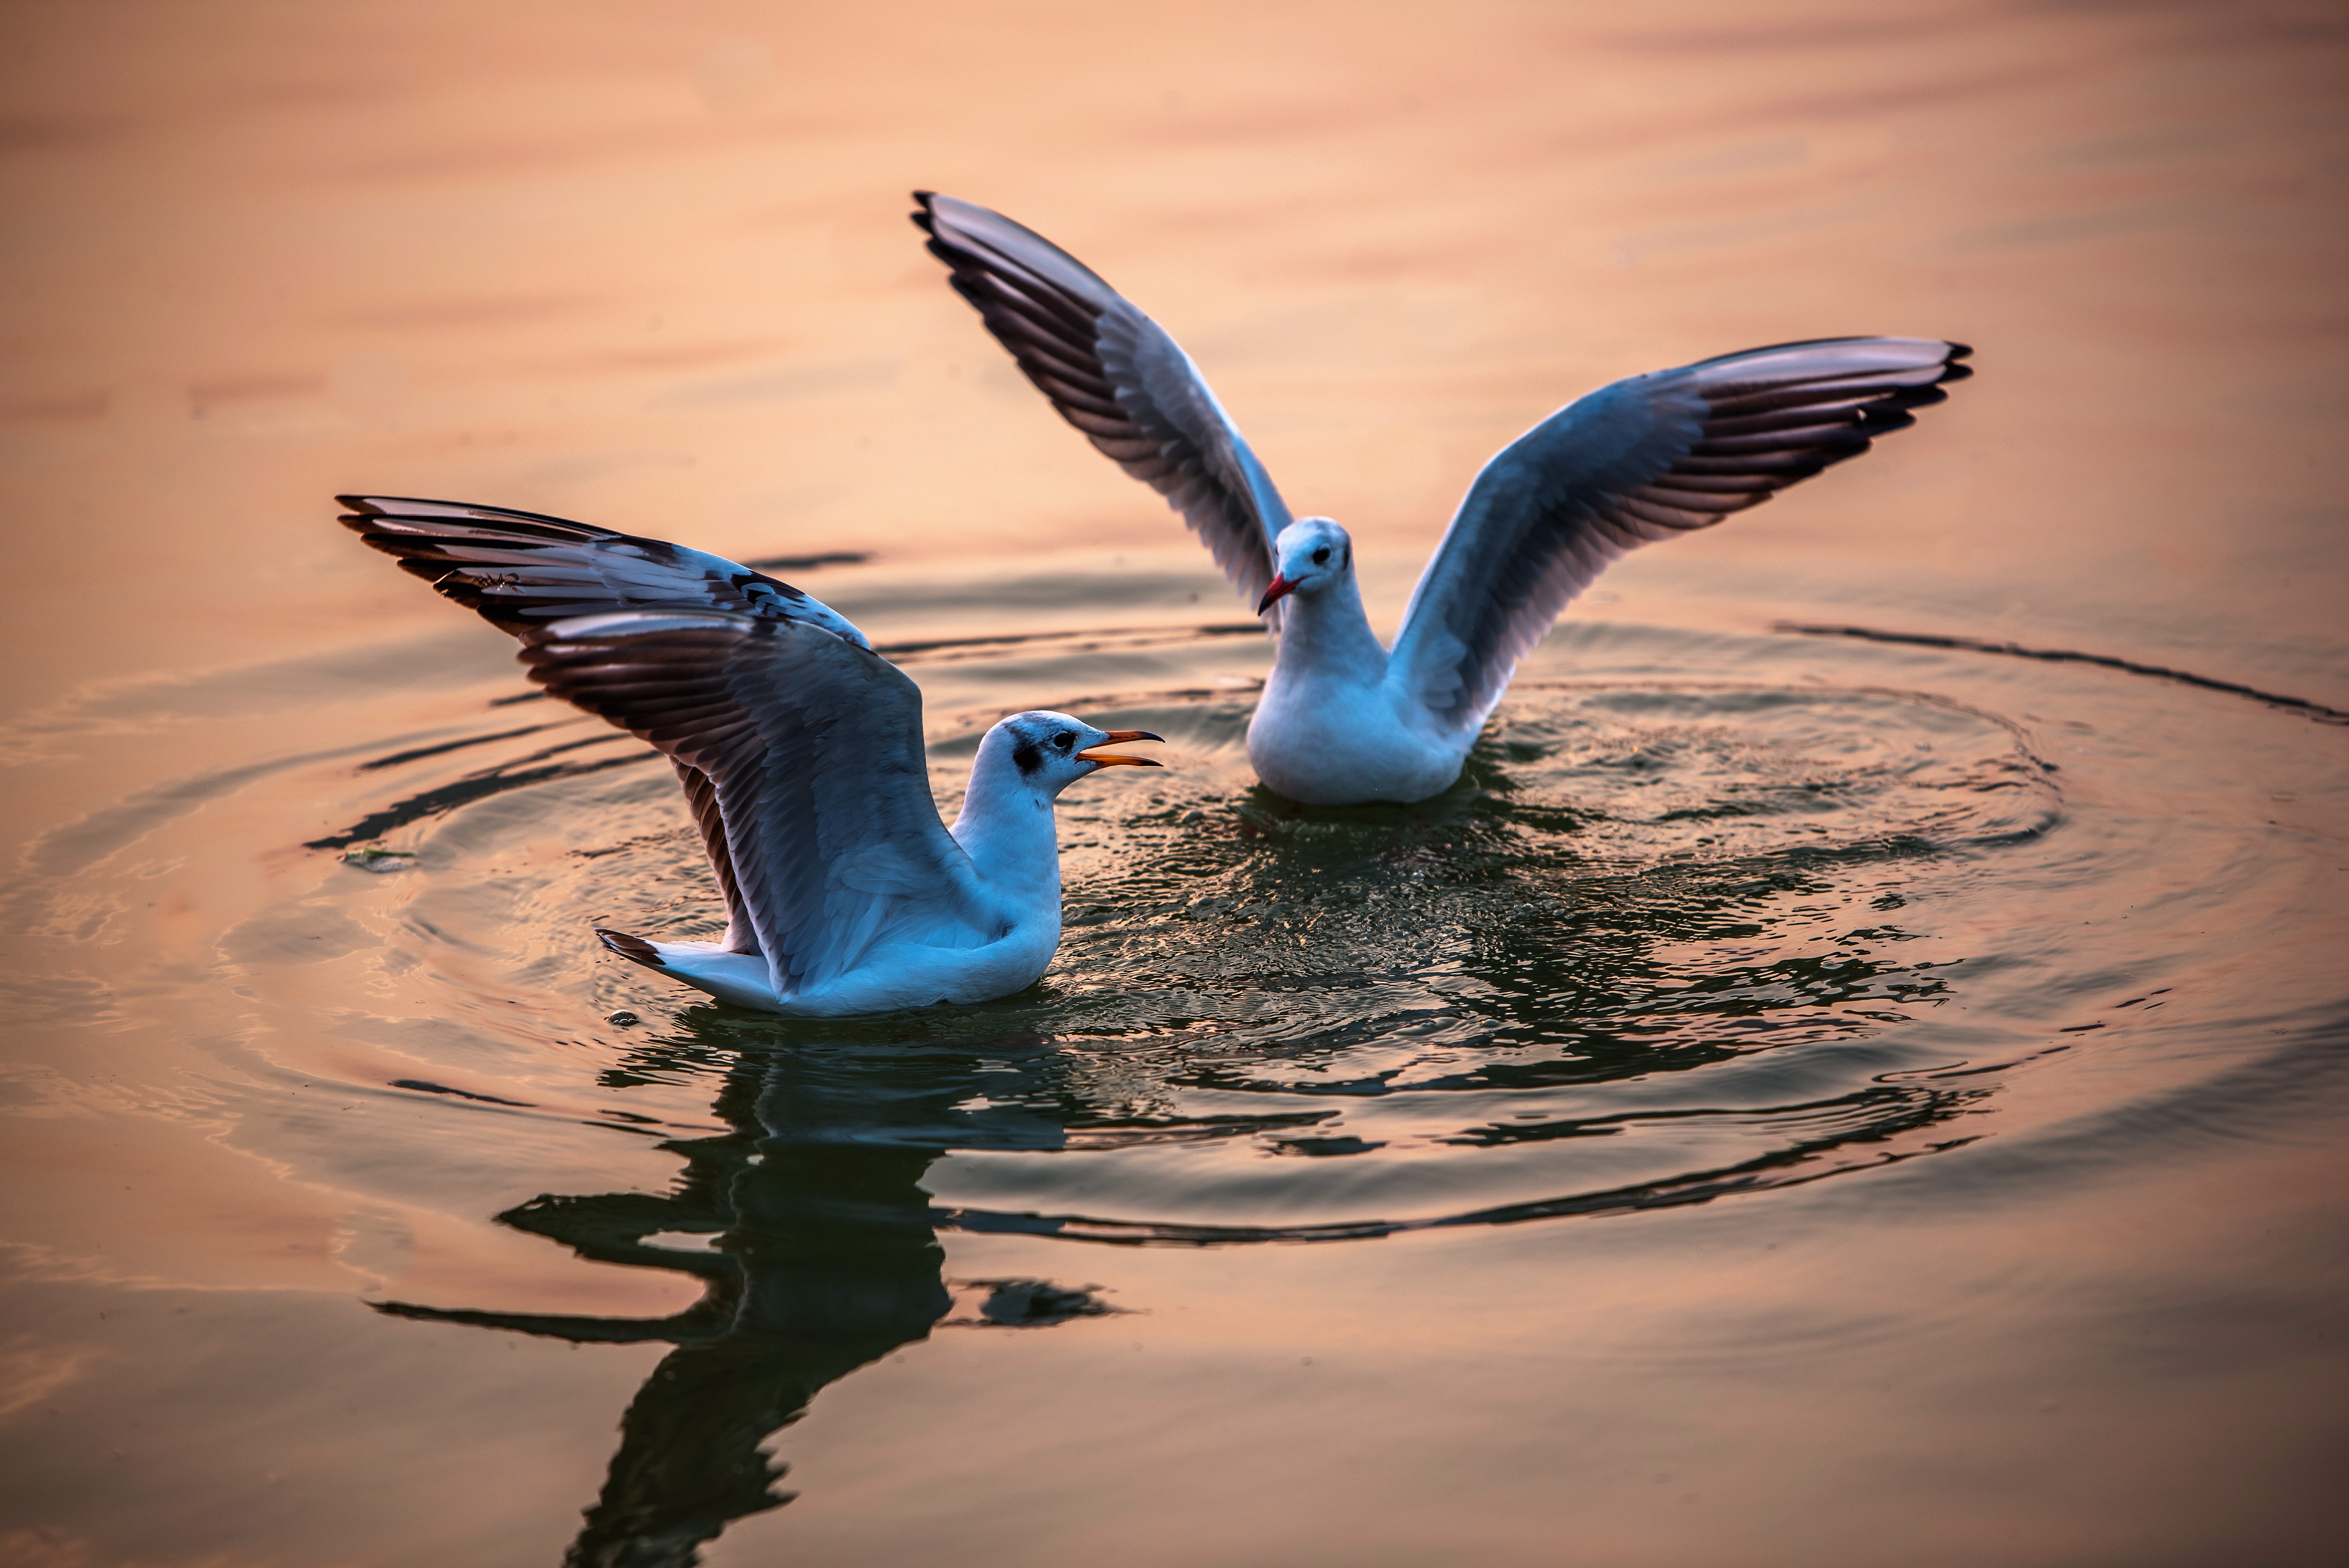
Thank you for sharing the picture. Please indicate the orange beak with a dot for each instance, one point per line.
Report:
(1280, 588)
(1116, 759)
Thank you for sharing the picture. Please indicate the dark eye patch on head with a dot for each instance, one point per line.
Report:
(1321, 555)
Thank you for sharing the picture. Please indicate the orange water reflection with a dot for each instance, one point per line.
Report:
(649, 266)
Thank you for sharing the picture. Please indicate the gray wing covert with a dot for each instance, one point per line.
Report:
(1115, 375)
(812, 751)
(1642, 460)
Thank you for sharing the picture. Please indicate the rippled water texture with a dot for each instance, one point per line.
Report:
(1852, 1072)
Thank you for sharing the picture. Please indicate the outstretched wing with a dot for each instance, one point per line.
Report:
(522, 569)
(1642, 460)
(1115, 375)
(812, 751)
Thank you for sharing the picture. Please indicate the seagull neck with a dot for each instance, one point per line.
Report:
(1006, 826)
(1328, 631)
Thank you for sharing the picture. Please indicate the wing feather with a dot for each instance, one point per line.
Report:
(811, 754)
(524, 571)
(702, 800)
(1637, 462)
(1116, 376)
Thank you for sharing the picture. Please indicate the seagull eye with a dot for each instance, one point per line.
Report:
(1322, 556)
(1063, 740)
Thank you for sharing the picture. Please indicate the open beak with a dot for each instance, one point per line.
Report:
(1282, 588)
(1118, 759)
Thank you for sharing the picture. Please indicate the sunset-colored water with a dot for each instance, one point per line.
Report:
(1803, 1097)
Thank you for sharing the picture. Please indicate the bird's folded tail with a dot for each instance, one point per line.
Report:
(634, 948)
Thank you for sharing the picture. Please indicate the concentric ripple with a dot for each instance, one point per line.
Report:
(1649, 950)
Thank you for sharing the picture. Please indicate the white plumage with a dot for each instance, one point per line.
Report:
(800, 750)
(1344, 718)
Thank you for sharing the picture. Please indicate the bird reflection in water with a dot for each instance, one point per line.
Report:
(824, 1258)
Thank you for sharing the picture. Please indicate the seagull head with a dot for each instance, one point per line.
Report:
(1312, 554)
(1051, 751)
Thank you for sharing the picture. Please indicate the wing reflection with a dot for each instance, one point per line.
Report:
(822, 1259)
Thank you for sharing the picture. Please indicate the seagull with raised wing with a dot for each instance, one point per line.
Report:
(799, 750)
(1343, 719)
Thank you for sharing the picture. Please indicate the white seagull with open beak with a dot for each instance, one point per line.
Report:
(801, 753)
(1344, 719)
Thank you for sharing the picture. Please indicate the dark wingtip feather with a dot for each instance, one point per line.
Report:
(457, 586)
(470, 514)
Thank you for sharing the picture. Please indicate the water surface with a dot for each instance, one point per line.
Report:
(1853, 1069)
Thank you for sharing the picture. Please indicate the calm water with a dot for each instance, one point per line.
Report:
(1802, 1095)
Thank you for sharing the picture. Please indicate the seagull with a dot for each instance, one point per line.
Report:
(1344, 719)
(799, 750)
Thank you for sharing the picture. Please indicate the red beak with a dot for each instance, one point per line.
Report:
(1282, 588)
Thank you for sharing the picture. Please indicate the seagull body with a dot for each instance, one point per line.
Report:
(799, 752)
(1345, 719)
